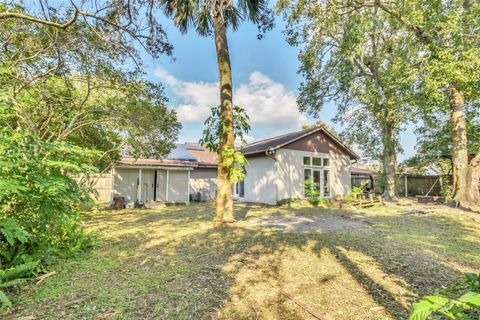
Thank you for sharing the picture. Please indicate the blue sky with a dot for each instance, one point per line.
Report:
(265, 82)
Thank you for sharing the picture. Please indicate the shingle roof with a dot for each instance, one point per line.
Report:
(281, 141)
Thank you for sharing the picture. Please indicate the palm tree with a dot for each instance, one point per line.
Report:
(215, 17)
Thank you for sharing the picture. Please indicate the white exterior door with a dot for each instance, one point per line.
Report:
(148, 185)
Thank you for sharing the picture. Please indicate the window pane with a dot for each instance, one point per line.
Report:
(306, 161)
(326, 162)
(316, 181)
(317, 161)
(326, 183)
(307, 179)
(241, 188)
(308, 174)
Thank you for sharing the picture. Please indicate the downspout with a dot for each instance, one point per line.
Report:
(270, 153)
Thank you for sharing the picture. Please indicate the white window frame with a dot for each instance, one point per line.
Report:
(322, 169)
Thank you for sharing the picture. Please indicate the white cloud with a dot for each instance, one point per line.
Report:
(267, 102)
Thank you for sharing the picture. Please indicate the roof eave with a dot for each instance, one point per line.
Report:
(353, 155)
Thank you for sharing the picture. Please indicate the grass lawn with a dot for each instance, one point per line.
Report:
(171, 263)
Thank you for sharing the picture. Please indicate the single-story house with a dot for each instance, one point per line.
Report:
(276, 170)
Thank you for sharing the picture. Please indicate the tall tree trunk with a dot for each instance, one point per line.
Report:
(465, 175)
(224, 201)
(390, 162)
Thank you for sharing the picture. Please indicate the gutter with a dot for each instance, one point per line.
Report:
(271, 154)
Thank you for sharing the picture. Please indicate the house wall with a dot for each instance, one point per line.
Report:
(290, 170)
(125, 180)
(318, 142)
(178, 185)
(125, 183)
(260, 180)
(204, 181)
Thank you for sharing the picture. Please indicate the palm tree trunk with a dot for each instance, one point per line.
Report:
(389, 163)
(465, 174)
(224, 201)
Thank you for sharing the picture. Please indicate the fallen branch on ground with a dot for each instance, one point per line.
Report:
(306, 309)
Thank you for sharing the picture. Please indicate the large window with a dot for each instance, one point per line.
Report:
(317, 176)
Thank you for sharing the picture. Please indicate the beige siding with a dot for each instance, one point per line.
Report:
(126, 184)
(125, 180)
(290, 173)
(204, 181)
(260, 180)
(161, 185)
(178, 186)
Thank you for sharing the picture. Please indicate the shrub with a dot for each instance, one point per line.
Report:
(461, 301)
(310, 189)
(39, 204)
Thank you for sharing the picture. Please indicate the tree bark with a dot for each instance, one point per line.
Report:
(465, 175)
(224, 200)
(389, 163)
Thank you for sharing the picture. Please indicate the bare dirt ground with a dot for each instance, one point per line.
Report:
(296, 223)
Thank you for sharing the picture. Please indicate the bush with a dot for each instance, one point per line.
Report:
(39, 204)
(461, 301)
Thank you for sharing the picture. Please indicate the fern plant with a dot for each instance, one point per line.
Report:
(14, 276)
(13, 243)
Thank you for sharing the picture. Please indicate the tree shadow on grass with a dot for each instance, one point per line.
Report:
(173, 264)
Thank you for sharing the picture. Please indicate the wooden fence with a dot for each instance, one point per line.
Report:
(408, 185)
(102, 184)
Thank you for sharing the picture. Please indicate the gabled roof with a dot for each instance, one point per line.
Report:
(285, 139)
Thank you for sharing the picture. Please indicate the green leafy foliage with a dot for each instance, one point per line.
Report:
(89, 96)
(463, 307)
(14, 276)
(356, 191)
(214, 128)
(310, 188)
(39, 203)
(73, 99)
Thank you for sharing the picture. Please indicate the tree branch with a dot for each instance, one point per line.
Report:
(22, 16)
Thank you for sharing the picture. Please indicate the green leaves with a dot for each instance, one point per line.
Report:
(12, 232)
(215, 128)
(235, 161)
(200, 14)
(458, 308)
(14, 276)
(421, 310)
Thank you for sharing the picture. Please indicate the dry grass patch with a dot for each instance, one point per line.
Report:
(171, 263)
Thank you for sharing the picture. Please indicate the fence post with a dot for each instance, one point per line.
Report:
(406, 186)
